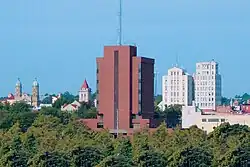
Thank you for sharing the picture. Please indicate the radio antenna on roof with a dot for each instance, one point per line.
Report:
(120, 23)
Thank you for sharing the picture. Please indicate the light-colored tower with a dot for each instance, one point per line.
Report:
(18, 89)
(85, 93)
(177, 87)
(35, 94)
(207, 85)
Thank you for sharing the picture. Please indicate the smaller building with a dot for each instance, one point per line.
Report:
(207, 121)
(71, 107)
(207, 85)
(177, 88)
(245, 108)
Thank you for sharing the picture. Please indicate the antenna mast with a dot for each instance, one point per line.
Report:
(177, 60)
(120, 22)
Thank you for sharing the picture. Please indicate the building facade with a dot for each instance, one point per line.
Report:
(20, 96)
(177, 87)
(207, 85)
(125, 90)
(207, 121)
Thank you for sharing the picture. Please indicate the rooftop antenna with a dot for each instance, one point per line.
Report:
(177, 60)
(120, 23)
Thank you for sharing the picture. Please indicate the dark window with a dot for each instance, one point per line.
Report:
(204, 120)
(97, 81)
(99, 125)
(222, 120)
(97, 71)
(213, 120)
(133, 116)
(97, 91)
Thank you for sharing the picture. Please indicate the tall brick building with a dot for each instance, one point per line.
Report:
(125, 91)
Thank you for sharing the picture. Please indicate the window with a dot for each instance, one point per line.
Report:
(136, 126)
(99, 125)
(133, 116)
(97, 70)
(213, 120)
(97, 81)
(222, 120)
(204, 120)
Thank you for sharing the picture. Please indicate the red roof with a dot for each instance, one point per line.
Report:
(11, 96)
(75, 106)
(85, 85)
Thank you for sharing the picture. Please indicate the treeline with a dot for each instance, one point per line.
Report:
(54, 138)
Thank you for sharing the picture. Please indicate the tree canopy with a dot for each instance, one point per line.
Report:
(55, 138)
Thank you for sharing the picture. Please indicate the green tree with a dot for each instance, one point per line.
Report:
(158, 99)
(191, 156)
(123, 147)
(48, 159)
(20, 107)
(86, 156)
(151, 158)
(116, 161)
(15, 154)
(47, 100)
(172, 115)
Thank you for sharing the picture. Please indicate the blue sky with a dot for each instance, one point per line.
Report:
(57, 41)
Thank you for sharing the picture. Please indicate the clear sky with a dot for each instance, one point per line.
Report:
(57, 41)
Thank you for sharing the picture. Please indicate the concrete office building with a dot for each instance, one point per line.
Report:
(177, 87)
(207, 121)
(207, 85)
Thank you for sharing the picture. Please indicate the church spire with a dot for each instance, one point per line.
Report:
(85, 85)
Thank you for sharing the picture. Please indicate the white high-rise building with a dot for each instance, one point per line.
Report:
(207, 85)
(177, 88)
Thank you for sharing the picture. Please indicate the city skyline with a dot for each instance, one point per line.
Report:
(58, 42)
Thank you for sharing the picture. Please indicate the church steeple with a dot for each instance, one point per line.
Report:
(85, 92)
(18, 89)
(35, 93)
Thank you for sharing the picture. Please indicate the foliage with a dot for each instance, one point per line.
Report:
(86, 111)
(225, 101)
(158, 99)
(66, 98)
(86, 156)
(18, 112)
(47, 100)
(171, 115)
(55, 138)
(116, 161)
